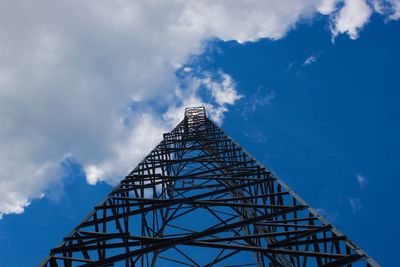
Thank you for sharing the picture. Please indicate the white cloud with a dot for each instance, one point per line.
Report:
(259, 99)
(395, 14)
(70, 71)
(362, 182)
(351, 18)
(388, 8)
(187, 69)
(223, 93)
(127, 150)
(355, 204)
(310, 60)
(378, 6)
(327, 7)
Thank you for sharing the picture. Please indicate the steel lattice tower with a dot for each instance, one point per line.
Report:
(199, 199)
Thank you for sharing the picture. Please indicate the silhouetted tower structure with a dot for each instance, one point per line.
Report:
(199, 199)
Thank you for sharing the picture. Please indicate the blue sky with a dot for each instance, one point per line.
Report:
(96, 96)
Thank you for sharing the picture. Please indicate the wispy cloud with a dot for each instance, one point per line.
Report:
(331, 216)
(263, 100)
(291, 65)
(355, 204)
(258, 137)
(259, 99)
(362, 181)
(311, 59)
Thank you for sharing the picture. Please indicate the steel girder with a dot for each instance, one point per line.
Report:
(199, 199)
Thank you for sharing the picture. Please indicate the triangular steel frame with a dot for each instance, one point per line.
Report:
(199, 199)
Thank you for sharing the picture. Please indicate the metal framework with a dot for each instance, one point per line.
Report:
(199, 199)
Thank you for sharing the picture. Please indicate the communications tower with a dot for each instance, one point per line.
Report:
(199, 199)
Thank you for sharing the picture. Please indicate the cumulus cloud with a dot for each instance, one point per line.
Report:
(222, 91)
(351, 18)
(395, 13)
(388, 8)
(327, 7)
(84, 79)
(220, 86)
(127, 150)
(148, 129)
